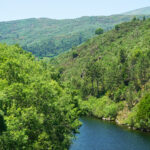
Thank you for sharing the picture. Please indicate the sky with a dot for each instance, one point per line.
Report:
(64, 9)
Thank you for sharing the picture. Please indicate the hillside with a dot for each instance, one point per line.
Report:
(113, 68)
(48, 37)
(127, 36)
(141, 11)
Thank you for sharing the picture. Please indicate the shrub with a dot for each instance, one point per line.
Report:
(74, 54)
(101, 107)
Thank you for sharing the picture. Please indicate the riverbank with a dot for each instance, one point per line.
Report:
(103, 108)
(96, 134)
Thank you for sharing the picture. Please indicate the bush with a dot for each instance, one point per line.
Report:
(102, 107)
(111, 110)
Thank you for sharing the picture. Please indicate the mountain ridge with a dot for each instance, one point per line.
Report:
(46, 37)
(139, 11)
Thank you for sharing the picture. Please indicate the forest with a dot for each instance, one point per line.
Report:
(111, 72)
(36, 110)
(49, 37)
(107, 77)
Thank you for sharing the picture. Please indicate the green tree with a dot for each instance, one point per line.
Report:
(99, 31)
(36, 109)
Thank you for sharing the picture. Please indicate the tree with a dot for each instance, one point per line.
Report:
(99, 31)
(143, 112)
(144, 18)
(36, 112)
(117, 27)
(134, 19)
(74, 54)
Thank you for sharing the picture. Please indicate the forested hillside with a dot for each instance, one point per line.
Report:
(48, 37)
(112, 74)
(36, 110)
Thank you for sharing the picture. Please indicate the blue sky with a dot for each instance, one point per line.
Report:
(62, 9)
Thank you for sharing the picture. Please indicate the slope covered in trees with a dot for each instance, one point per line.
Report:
(112, 73)
(36, 111)
(48, 37)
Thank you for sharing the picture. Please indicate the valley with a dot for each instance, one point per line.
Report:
(76, 83)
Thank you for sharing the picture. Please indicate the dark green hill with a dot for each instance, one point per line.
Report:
(48, 37)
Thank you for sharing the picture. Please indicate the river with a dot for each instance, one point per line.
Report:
(102, 135)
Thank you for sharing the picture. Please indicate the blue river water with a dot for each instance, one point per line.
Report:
(101, 135)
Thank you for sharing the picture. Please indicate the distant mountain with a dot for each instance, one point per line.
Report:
(49, 37)
(141, 11)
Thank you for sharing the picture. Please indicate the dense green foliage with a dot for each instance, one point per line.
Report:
(143, 113)
(115, 64)
(140, 116)
(101, 107)
(36, 111)
(48, 37)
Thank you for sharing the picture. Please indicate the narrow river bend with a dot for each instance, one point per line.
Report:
(100, 135)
